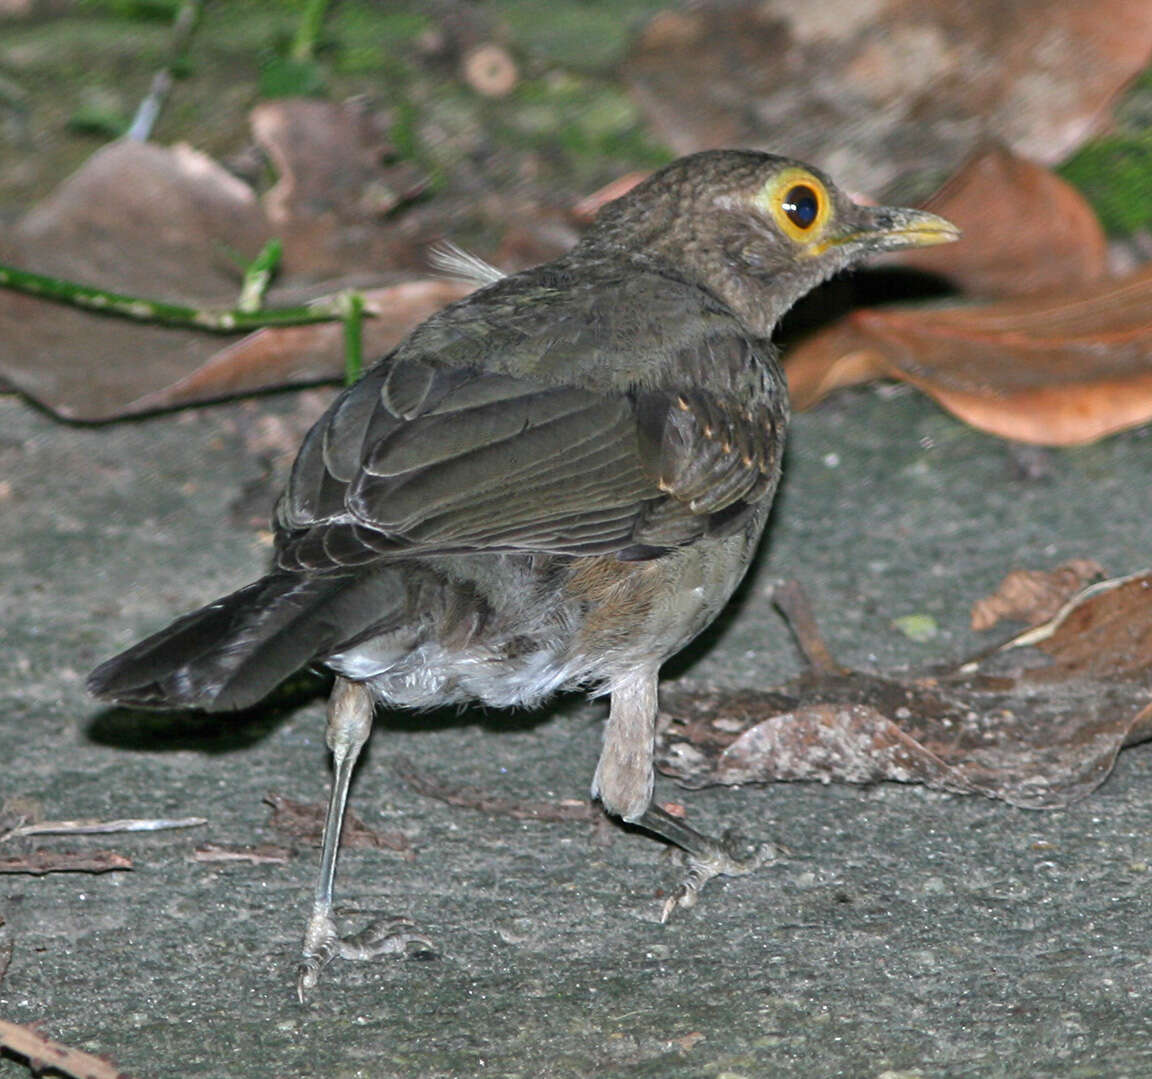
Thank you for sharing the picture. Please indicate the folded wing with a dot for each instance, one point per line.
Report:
(419, 458)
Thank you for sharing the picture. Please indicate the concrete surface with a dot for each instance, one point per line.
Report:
(909, 933)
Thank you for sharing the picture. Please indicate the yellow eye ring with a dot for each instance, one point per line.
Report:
(798, 204)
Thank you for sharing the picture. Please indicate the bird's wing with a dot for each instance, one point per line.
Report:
(419, 458)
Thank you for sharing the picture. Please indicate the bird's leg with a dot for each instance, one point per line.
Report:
(349, 724)
(624, 781)
(624, 776)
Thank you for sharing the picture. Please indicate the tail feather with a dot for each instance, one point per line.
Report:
(235, 651)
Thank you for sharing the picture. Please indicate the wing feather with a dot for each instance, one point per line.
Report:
(421, 458)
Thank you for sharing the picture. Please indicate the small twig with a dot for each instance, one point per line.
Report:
(263, 854)
(6, 948)
(792, 602)
(93, 827)
(493, 805)
(183, 27)
(258, 276)
(43, 1054)
(42, 862)
(231, 320)
(353, 344)
(308, 31)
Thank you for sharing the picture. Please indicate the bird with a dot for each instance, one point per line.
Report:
(552, 484)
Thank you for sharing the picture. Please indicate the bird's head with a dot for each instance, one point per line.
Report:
(757, 230)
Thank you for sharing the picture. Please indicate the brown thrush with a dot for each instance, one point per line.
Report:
(556, 482)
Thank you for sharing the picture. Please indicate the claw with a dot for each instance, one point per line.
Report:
(720, 859)
(388, 936)
(394, 936)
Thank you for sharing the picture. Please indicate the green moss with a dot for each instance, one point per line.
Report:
(145, 10)
(368, 39)
(283, 76)
(1114, 172)
(1115, 175)
(920, 628)
(102, 122)
(582, 34)
(580, 118)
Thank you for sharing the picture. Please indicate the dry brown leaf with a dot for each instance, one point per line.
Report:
(1103, 633)
(146, 219)
(1025, 230)
(1036, 732)
(1058, 370)
(335, 186)
(139, 219)
(887, 91)
(1033, 596)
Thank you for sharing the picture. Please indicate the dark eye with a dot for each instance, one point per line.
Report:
(801, 206)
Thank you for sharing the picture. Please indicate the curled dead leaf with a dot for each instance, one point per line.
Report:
(1102, 633)
(1025, 229)
(1058, 370)
(1034, 596)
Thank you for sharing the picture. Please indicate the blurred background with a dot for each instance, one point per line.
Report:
(152, 146)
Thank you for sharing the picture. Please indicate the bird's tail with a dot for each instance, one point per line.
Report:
(235, 651)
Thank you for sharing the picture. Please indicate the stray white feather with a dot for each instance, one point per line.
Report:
(461, 265)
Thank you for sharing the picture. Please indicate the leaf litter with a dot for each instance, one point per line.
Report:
(1034, 596)
(1036, 721)
(1062, 369)
(887, 95)
(173, 224)
(1069, 366)
(1026, 230)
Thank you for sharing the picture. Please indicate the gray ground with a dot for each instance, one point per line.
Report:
(909, 932)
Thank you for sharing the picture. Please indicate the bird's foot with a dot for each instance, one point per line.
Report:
(394, 936)
(705, 856)
(724, 857)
